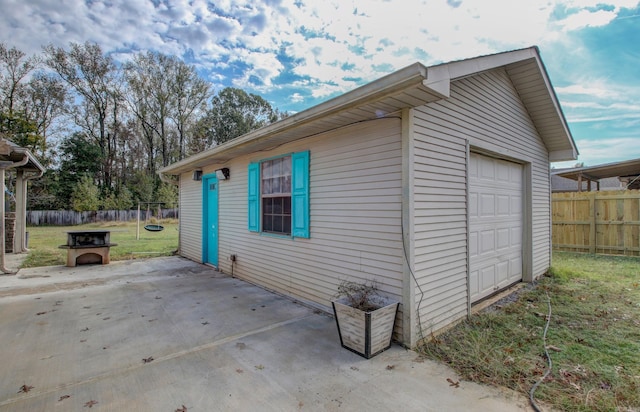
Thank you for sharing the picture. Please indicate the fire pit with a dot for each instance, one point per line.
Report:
(87, 246)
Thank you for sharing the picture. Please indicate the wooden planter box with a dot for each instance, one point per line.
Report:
(365, 333)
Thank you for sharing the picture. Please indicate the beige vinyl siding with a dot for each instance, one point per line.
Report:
(190, 217)
(355, 215)
(484, 110)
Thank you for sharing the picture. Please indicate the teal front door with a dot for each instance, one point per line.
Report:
(210, 219)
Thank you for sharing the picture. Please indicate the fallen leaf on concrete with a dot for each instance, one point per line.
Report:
(147, 360)
(90, 404)
(354, 368)
(390, 367)
(455, 384)
(239, 371)
(183, 409)
(259, 367)
(25, 388)
(63, 397)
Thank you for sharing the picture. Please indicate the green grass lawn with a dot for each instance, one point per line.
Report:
(593, 337)
(44, 242)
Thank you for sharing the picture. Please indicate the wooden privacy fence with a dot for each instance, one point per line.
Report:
(70, 217)
(597, 222)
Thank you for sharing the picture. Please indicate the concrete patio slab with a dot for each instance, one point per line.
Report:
(160, 334)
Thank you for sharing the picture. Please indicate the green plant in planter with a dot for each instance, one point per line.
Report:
(364, 317)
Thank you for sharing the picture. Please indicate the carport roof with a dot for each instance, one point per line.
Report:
(617, 169)
(412, 86)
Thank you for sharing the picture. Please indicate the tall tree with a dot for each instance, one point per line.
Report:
(189, 92)
(149, 77)
(78, 157)
(235, 112)
(46, 99)
(15, 66)
(94, 77)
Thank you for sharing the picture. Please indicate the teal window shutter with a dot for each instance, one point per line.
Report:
(254, 197)
(300, 194)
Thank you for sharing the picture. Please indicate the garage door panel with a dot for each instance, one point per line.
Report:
(473, 244)
(487, 207)
(504, 238)
(487, 276)
(516, 205)
(516, 237)
(474, 287)
(502, 272)
(504, 205)
(487, 241)
(496, 222)
(487, 171)
(473, 205)
(515, 269)
(503, 172)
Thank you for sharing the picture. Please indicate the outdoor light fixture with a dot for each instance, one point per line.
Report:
(197, 175)
(222, 174)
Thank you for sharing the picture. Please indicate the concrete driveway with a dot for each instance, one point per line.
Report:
(168, 334)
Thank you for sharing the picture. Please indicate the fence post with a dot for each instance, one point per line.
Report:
(592, 223)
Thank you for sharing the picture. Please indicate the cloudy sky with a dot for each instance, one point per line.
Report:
(298, 53)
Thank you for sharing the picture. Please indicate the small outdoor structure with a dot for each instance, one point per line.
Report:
(26, 167)
(432, 181)
(88, 246)
(626, 173)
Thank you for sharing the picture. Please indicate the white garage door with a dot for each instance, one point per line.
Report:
(495, 223)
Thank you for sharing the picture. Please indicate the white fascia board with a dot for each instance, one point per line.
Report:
(563, 155)
(438, 80)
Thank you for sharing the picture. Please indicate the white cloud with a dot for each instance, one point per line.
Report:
(581, 89)
(607, 150)
(336, 44)
(296, 98)
(585, 18)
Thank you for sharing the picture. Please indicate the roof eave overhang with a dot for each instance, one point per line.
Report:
(414, 80)
(412, 86)
(14, 153)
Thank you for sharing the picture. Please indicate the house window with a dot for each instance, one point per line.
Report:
(278, 192)
(276, 195)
